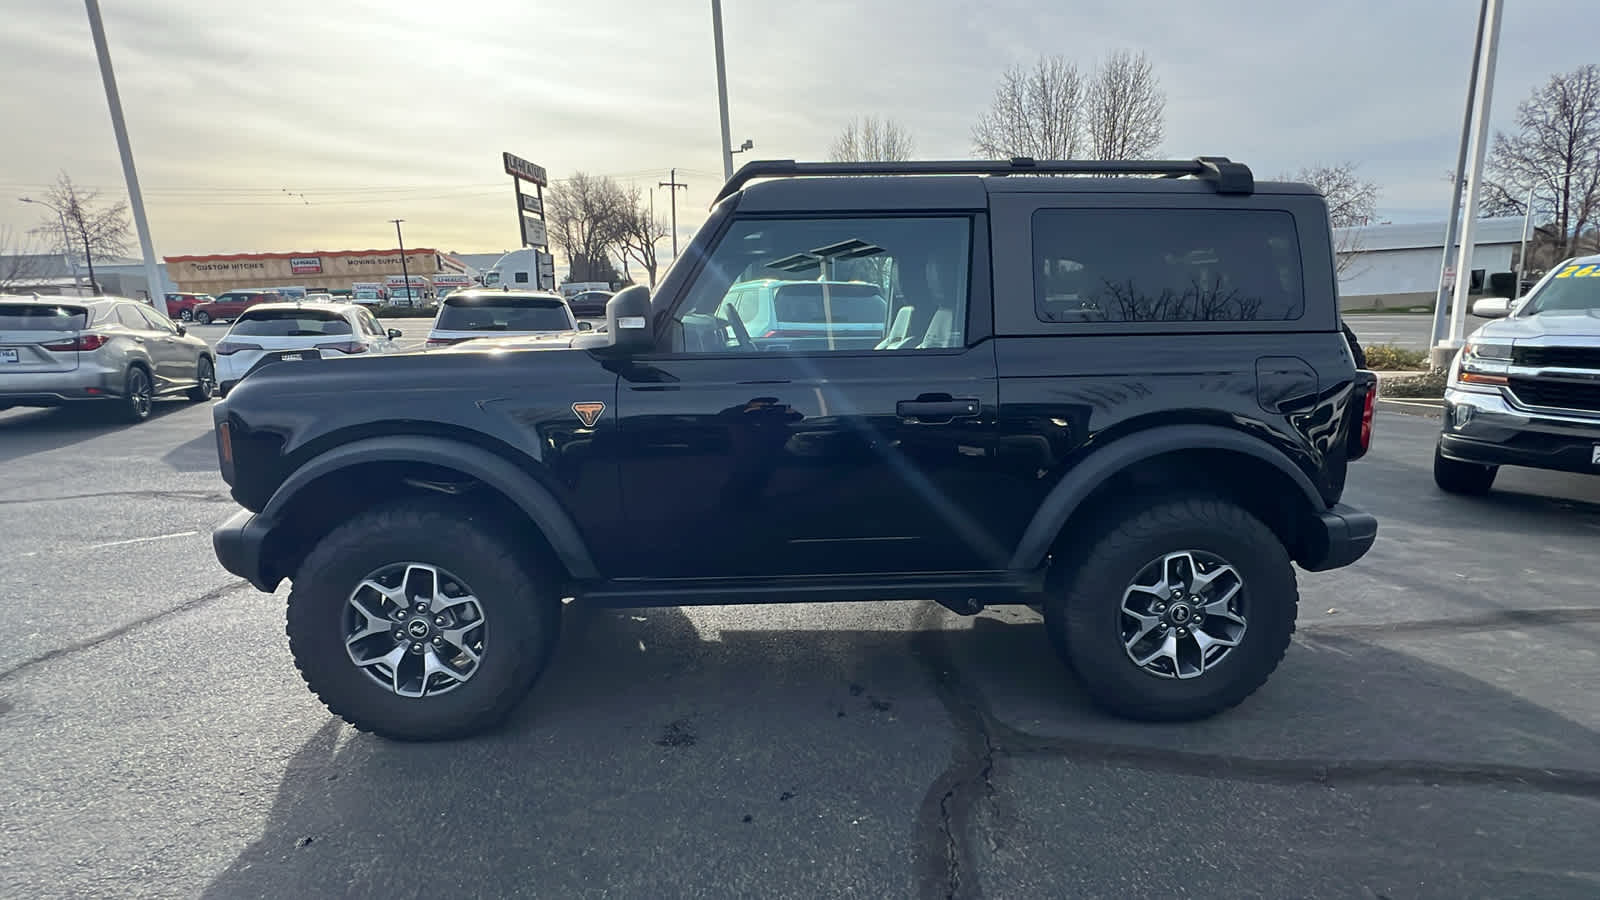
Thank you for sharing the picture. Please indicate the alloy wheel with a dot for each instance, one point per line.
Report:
(1183, 614)
(414, 629)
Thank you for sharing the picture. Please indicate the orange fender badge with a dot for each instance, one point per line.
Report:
(588, 413)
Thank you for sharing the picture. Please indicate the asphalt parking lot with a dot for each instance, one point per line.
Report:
(1432, 732)
(1410, 331)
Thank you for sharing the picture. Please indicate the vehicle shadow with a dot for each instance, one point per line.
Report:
(24, 432)
(660, 757)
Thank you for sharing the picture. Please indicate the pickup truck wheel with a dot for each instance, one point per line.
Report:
(1183, 609)
(416, 621)
(1456, 477)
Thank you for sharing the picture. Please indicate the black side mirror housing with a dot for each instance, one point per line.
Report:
(628, 320)
(181, 330)
(394, 333)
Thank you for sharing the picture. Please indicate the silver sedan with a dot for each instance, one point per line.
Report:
(60, 351)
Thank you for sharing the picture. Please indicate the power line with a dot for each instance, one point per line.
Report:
(673, 185)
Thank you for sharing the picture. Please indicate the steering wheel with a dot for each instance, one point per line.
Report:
(740, 333)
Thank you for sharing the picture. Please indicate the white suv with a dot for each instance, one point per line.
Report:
(333, 330)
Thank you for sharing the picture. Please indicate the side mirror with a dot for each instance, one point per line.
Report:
(1492, 308)
(181, 330)
(394, 333)
(628, 320)
(1502, 284)
(585, 326)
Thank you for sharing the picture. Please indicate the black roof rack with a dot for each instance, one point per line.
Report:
(1229, 177)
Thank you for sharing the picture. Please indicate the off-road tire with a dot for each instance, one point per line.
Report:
(1085, 617)
(520, 608)
(1467, 479)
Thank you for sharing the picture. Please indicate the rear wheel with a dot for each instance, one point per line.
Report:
(138, 396)
(205, 380)
(418, 621)
(187, 315)
(1455, 477)
(202, 317)
(1181, 611)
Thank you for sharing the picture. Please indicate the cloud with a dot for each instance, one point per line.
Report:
(372, 111)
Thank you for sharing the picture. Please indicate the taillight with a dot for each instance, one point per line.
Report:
(345, 347)
(82, 343)
(1368, 409)
(228, 348)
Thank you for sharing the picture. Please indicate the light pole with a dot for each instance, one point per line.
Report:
(152, 271)
(1439, 356)
(1527, 219)
(1480, 146)
(405, 273)
(722, 90)
(66, 238)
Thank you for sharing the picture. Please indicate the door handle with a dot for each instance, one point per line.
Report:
(938, 410)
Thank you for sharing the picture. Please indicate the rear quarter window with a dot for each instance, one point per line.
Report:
(1166, 266)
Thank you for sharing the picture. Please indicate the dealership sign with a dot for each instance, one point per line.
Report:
(533, 232)
(305, 265)
(517, 167)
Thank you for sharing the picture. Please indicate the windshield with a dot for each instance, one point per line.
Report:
(503, 313)
(1575, 288)
(33, 317)
(290, 323)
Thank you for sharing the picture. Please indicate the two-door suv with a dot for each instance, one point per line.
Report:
(1126, 401)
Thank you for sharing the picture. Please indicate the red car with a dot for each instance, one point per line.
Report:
(181, 305)
(230, 304)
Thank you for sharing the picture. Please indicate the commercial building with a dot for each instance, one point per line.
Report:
(313, 269)
(1389, 266)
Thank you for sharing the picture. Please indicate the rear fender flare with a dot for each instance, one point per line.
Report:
(1076, 486)
(496, 472)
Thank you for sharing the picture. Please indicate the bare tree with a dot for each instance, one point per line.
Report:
(93, 225)
(588, 217)
(1035, 112)
(871, 139)
(1126, 108)
(19, 261)
(1556, 154)
(1352, 202)
(642, 231)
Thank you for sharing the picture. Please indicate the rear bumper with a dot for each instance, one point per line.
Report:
(239, 544)
(83, 384)
(1339, 536)
(1488, 430)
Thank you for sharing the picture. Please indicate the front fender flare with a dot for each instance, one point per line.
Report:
(1070, 492)
(522, 489)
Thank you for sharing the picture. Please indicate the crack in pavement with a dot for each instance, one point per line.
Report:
(944, 858)
(95, 641)
(211, 496)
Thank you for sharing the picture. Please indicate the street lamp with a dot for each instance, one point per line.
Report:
(748, 144)
(1527, 217)
(66, 242)
(722, 90)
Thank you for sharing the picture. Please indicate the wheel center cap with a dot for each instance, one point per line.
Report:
(1180, 613)
(418, 628)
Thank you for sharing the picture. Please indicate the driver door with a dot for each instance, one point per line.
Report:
(792, 444)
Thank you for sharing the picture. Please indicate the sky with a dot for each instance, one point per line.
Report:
(302, 125)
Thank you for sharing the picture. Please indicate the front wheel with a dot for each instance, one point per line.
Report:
(1455, 477)
(1182, 610)
(418, 621)
(202, 317)
(205, 380)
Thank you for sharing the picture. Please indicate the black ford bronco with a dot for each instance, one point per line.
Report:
(1127, 401)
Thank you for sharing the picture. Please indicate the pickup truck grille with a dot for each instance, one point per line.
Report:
(1557, 394)
(1557, 357)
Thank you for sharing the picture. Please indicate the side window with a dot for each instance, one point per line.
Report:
(157, 321)
(520, 277)
(836, 285)
(128, 317)
(1166, 265)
